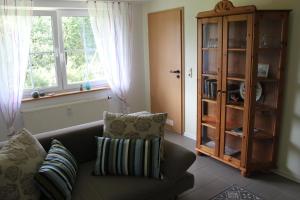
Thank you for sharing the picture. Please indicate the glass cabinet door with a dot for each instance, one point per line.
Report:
(209, 78)
(270, 48)
(237, 41)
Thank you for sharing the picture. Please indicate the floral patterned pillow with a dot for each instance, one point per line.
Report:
(142, 125)
(20, 159)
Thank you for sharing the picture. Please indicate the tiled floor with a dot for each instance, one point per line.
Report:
(212, 177)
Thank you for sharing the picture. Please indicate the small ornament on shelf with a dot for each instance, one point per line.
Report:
(88, 86)
(263, 70)
(35, 94)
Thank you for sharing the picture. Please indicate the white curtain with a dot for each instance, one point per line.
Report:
(112, 27)
(15, 28)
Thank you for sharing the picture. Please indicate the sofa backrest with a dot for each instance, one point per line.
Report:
(80, 140)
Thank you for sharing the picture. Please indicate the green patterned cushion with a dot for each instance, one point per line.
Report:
(20, 158)
(137, 125)
(128, 157)
(57, 175)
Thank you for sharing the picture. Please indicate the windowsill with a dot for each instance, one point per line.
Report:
(62, 94)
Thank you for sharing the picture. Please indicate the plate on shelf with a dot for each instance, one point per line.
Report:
(210, 144)
(258, 90)
(230, 151)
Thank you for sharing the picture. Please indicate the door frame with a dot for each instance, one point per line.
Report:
(181, 9)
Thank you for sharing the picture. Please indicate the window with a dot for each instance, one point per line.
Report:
(41, 72)
(82, 60)
(63, 53)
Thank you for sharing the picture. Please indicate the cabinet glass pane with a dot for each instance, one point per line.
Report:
(263, 136)
(233, 132)
(268, 63)
(237, 34)
(234, 121)
(268, 75)
(235, 95)
(268, 96)
(210, 35)
(270, 26)
(210, 62)
(209, 113)
(236, 64)
(233, 146)
(209, 137)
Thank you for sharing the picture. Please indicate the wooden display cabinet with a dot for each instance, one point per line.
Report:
(241, 61)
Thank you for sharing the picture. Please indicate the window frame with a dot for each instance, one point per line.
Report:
(59, 53)
(59, 87)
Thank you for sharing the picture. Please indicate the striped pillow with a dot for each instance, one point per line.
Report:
(128, 157)
(57, 174)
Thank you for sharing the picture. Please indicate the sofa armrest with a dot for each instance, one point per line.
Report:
(177, 160)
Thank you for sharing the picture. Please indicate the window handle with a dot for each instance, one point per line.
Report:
(66, 58)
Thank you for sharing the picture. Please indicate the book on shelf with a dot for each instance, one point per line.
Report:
(210, 88)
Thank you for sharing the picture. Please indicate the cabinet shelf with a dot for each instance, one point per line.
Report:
(237, 49)
(236, 79)
(210, 49)
(268, 49)
(234, 133)
(209, 100)
(235, 106)
(209, 125)
(260, 79)
(262, 135)
(265, 108)
(212, 76)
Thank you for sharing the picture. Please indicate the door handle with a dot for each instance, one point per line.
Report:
(175, 71)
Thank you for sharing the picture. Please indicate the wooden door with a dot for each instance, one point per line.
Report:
(209, 84)
(166, 65)
(236, 69)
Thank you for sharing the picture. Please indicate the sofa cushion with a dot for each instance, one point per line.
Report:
(20, 158)
(126, 188)
(137, 125)
(128, 157)
(58, 172)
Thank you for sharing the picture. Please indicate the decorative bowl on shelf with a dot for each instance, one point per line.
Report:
(259, 90)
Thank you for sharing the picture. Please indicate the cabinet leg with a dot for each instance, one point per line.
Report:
(245, 173)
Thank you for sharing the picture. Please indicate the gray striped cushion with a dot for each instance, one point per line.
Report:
(57, 174)
(128, 157)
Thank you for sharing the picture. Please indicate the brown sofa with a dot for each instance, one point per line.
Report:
(80, 140)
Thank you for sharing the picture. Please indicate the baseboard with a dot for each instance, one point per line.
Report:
(287, 175)
(190, 135)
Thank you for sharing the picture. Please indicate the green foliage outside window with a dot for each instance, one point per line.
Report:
(81, 57)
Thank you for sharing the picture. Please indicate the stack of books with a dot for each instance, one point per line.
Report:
(210, 88)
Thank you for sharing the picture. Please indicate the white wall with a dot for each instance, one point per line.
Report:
(289, 153)
(136, 96)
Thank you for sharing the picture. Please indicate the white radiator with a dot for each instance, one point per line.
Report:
(63, 115)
